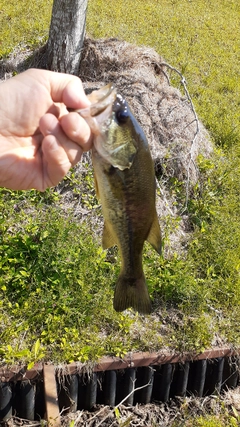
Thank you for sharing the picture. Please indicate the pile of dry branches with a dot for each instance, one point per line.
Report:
(175, 135)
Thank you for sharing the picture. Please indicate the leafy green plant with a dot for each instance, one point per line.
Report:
(209, 421)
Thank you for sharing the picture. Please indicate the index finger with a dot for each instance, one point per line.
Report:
(69, 90)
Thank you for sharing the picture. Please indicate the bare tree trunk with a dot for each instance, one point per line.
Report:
(66, 35)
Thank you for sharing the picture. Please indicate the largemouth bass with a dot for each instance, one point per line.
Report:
(125, 184)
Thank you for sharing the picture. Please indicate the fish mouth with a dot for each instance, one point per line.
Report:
(102, 98)
(100, 110)
(101, 118)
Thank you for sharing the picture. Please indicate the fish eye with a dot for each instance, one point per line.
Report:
(122, 116)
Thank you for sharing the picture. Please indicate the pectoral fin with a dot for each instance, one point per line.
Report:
(107, 237)
(154, 236)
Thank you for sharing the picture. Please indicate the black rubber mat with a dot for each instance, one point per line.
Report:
(25, 399)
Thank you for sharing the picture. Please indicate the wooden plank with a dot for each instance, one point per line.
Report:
(150, 359)
(51, 397)
(17, 373)
(106, 363)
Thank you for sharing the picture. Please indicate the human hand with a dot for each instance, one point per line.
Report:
(39, 140)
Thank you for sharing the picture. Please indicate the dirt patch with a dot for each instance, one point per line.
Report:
(177, 412)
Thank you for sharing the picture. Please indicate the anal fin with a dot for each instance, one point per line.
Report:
(155, 236)
(107, 237)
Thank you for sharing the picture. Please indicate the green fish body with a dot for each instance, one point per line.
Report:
(125, 184)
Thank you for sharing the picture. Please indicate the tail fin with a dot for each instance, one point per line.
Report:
(133, 293)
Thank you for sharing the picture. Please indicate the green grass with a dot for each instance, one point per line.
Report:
(23, 23)
(209, 421)
(56, 288)
(56, 282)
